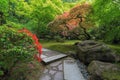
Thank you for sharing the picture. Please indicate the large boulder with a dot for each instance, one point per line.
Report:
(103, 71)
(90, 50)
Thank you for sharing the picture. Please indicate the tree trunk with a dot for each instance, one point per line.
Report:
(86, 34)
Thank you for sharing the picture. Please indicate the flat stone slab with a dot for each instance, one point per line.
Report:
(53, 58)
(43, 49)
(43, 56)
(71, 70)
(50, 53)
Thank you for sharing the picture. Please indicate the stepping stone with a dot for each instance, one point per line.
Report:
(50, 53)
(53, 58)
(43, 49)
(43, 56)
(71, 70)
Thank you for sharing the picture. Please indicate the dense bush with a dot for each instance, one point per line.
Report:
(14, 47)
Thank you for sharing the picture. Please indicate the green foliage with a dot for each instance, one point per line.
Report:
(4, 6)
(69, 0)
(14, 25)
(14, 47)
(26, 71)
(113, 35)
(106, 11)
(43, 12)
(106, 17)
(41, 30)
(111, 75)
(59, 38)
(19, 11)
(33, 14)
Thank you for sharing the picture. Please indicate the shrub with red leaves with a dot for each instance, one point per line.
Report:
(36, 43)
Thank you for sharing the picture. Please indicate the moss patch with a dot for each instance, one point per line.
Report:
(64, 47)
(111, 75)
(115, 47)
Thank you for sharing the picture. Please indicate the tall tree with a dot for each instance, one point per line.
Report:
(43, 12)
(106, 14)
(68, 21)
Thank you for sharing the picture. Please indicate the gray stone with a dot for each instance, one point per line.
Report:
(52, 72)
(45, 77)
(54, 68)
(60, 67)
(53, 58)
(43, 56)
(90, 50)
(58, 76)
(98, 68)
(43, 49)
(56, 63)
(45, 71)
(49, 53)
(71, 71)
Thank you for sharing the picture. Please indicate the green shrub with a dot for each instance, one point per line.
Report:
(14, 25)
(59, 39)
(26, 71)
(14, 47)
(41, 30)
(48, 37)
(113, 35)
(109, 34)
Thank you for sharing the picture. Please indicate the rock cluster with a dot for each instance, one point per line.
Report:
(98, 57)
(98, 68)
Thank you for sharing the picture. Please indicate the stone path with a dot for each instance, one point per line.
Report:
(71, 70)
(55, 70)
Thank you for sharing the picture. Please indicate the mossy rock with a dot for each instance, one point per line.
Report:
(90, 50)
(104, 71)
